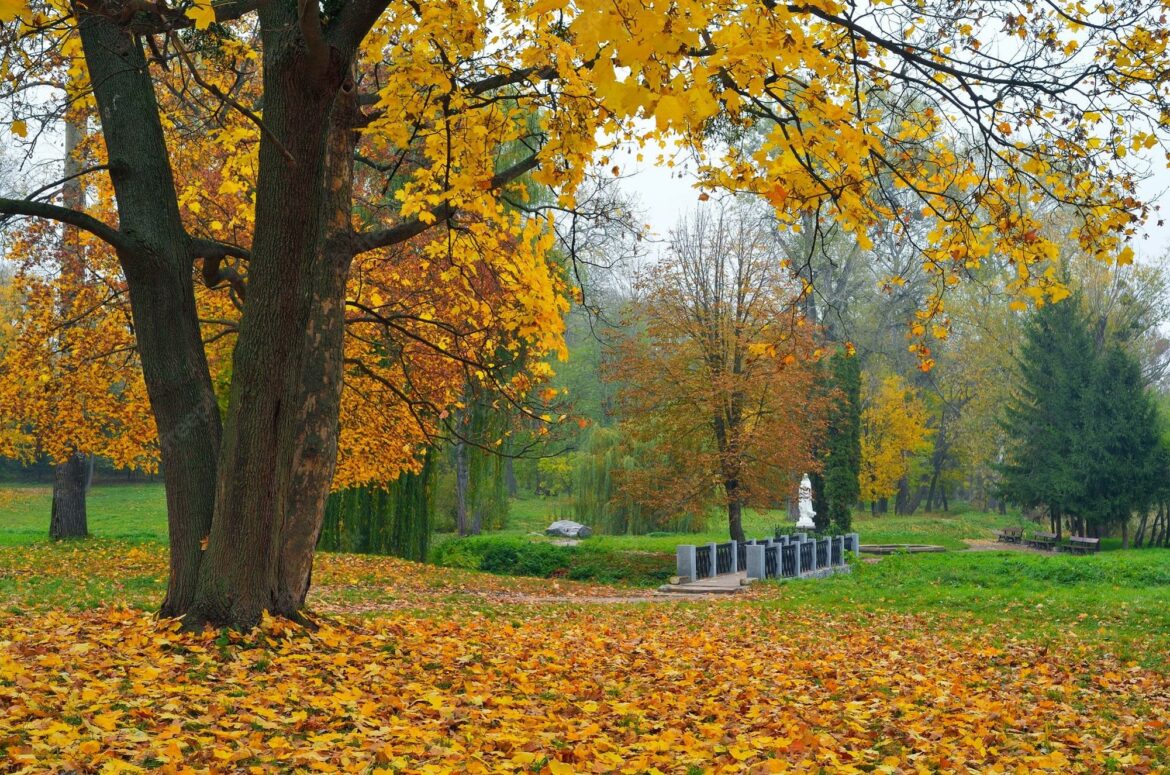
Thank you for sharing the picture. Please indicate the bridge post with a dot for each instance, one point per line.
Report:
(796, 553)
(856, 544)
(838, 551)
(812, 554)
(734, 556)
(711, 547)
(755, 561)
(686, 565)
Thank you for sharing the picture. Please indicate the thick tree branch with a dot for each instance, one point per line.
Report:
(149, 17)
(309, 18)
(103, 231)
(440, 213)
(213, 249)
(215, 272)
(351, 24)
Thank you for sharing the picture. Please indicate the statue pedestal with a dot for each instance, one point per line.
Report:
(805, 522)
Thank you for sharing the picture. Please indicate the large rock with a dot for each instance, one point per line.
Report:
(567, 528)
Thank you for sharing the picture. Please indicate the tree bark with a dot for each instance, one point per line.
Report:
(735, 520)
(162, 294)
(462, 488)
(510, 477)
(70, 478)
(68, 518)
(280, 439)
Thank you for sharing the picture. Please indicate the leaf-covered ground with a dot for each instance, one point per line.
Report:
(420, 669)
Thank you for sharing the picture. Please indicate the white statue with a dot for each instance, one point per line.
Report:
(806, 507)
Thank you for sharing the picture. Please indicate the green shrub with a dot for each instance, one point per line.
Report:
(455, 554)
(515, 556)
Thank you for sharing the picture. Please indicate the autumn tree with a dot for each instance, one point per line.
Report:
(893, 430)
(70, 382)
(716, 373)
(433, 94)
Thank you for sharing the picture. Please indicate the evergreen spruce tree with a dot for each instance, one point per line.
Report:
(1125, 468)
(1048, 416)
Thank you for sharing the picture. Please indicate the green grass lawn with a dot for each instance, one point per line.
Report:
(1120, 598)
(136, 512)
(130, 512)
(948, 530)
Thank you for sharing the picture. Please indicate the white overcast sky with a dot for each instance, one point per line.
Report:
(663, 196)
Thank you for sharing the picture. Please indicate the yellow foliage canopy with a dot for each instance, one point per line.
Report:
(893, 431)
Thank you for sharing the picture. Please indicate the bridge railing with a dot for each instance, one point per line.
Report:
(725, 559)
(703, 567)
(771, 560)
(783, 556)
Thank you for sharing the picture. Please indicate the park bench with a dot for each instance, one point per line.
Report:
(1081, 545)
(1010, 535)
(1046, 541)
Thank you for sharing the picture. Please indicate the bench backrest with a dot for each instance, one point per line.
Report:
(1012, 531)
(1044, 536)
(1080, 540)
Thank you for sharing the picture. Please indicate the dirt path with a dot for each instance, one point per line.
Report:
(985, 545)
(338, 599)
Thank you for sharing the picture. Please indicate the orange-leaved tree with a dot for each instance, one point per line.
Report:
(717, 373)
(438, 97)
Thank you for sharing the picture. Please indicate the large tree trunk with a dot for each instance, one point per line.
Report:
(68, 518)
(1141, 531)
(162, 294)
(510, 477)
(735, 521)
(280, 438)
(734, 510)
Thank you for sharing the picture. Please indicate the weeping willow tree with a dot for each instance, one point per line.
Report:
(597, 497)
(395, 519)
(481, 488)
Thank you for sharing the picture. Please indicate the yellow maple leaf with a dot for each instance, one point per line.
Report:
(19, 128)
(668, 111)
(10, 9)
(201, 13)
